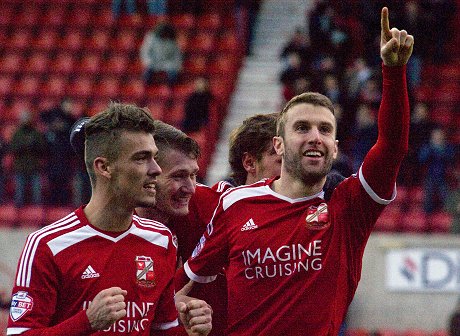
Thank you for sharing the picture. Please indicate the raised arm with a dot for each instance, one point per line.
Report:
(381, 165)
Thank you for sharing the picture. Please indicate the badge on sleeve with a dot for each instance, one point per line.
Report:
(21, 303)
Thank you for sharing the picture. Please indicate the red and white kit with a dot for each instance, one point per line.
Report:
(64, 265)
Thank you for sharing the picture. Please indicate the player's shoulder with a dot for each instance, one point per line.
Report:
(151, 225)
(63, 226)
(241, 193)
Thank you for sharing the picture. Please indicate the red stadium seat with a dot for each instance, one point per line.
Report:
(224, 66)
(125, 41)
(108, 88)
(195, 65)
(134, 91)
(182, 91)
(20, 41)
(175, 114)
(28, 17)
(440, 222)
(183, 22)
(8, 215)
(202, 43)
(28, 87)
(90, 64)
(55, 87)
(11, 63)
(441, 332)
(53, 214)
(228, 43)
(157, 108)
(389, 220)
(415, 220)
(415, 332)
(54, 18)
(31, 216)
(46, 40)
(81, 17)
(98, 42)
(387, 332)
(159, 92)
(63, 64)
(116, 65)
(6, 84)
(208, 22)
(37, 64)
(81, 88)
(72, 41)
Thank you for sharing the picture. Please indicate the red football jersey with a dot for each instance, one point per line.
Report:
(189, 230)
(292, 265)
(64, 265)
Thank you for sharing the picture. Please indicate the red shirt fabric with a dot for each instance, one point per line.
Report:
(293, 265)
(64, 265)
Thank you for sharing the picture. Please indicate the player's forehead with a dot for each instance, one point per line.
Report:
(174, 160)
(309, 113)
(136, 142)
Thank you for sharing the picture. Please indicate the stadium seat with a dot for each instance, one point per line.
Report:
(175, 114)
(115, 65)
(415, 220)
(98, 41)
(12, 63)
(183, 22)
(157, 108)
(63, 64)
(37, 64)
(55, 213)
(195, 65)
(81, 88)
(228, 43)
(183, 90)
(28, 87)
(159, 92)
(46, 40)
(202, 43)
(31, 216)
(72, 41)
(28, 17)
(8, 215)
(210, 22)
(54, 17)
(125, 42)
(441, 332)
(108, 88)
(389, 220)
(55, 87)
(223, 66)
(134, 91)
(6, 83)
(440, 222)
(415, 332)
(81, 17)
(90, 64)
(387, 332)
(20, 41)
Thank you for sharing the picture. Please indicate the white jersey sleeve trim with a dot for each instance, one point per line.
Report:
(196, 277)
(155, 238)
(371, 192)
(165, 325)
(16, 331)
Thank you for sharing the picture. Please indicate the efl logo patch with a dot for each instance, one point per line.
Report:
(145, 275)
(199, 247)
(317, 217)
(21, 303)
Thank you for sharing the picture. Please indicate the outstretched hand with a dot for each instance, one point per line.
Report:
(395, 45)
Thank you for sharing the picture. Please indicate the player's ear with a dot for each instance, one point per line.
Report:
(278, 145)
(102, 167)
(249, 162)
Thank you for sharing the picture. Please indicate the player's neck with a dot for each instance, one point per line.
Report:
(153, 213)
(107, 216)
(294, 188)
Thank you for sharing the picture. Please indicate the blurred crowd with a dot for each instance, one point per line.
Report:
(336, 53)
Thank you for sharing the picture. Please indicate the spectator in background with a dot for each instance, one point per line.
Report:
(246, 16)
(452, 205)
(27, 146)
(454, 322)
(154, 7)
(420, 130)
(331, 88)
(299, 44)
(160, 55)
(356, 77)
(436, 156)
(59, 162)
(3, 152)
(290, 75)
(365, 135)
(197, 106)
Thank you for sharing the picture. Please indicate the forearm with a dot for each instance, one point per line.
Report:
(77, 325)
(381, 166)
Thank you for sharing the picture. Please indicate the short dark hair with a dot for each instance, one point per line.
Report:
(254, 137)
(167, 137)
(313, 98)
(103, 131)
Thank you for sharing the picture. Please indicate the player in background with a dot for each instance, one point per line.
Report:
(102, 269)
(292, 258)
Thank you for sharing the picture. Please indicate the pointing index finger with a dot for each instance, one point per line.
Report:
(385, 23)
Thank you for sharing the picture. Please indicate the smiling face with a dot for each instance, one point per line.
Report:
(133, 174)
(177, 182)
(308, 145)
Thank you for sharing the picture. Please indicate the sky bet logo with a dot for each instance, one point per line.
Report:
(423, 270)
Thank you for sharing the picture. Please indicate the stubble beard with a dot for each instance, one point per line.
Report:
(293, 165)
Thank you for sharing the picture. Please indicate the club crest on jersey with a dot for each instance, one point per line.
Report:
(145, 275)
(21, 303)
(317, 217)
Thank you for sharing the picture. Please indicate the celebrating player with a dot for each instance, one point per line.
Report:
(293, 259)
(102, 269)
